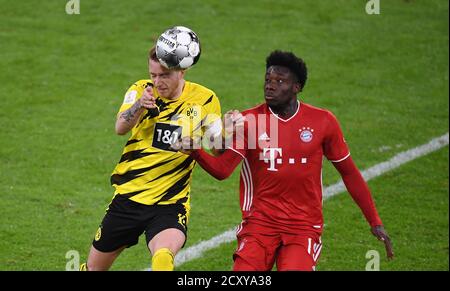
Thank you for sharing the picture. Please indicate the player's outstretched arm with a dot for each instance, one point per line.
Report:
(220, 167)
(232, 124)
(359, 190)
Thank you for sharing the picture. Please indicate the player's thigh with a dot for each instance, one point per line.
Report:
(294, 258)
(167, 228)
(121, 226)
(299, 253)
(101, 261)
(171, 238)
(255, 253)
(240, 264)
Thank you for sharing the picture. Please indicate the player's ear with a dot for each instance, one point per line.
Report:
(182, 73)
(297, 87)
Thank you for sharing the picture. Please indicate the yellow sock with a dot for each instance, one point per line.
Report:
(83, 267)
(162, 260)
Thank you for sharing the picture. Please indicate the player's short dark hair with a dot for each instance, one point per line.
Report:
(287, 59)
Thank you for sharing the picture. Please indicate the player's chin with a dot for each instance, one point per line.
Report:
(163, 92)
(271, 101)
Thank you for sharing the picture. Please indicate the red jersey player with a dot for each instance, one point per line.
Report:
(282, 147)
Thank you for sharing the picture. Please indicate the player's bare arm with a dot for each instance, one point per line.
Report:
(128, 118)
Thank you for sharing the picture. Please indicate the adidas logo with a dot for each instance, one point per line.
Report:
(264, 136)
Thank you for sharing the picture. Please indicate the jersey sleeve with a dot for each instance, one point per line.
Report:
(211, 117)
(219, 167)
(335, 148)
(239, 141)
(133, 94)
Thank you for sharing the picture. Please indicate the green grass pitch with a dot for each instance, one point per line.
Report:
(63, 78)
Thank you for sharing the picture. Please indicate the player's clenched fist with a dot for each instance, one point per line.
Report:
(148, 99)
(233, 122)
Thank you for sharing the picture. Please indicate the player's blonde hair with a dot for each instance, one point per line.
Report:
(152, 54)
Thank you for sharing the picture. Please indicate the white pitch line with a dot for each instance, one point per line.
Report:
(395, 162)
(197, 250)
(435, 144)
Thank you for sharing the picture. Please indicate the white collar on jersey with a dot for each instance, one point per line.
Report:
(286, 120)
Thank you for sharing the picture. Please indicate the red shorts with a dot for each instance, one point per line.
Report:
(260, 247)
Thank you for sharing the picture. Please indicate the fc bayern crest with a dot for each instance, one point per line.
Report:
(306, 134)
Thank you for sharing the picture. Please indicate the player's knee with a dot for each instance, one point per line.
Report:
(92, 265)
(162, 260)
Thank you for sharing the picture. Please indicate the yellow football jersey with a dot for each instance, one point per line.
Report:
(149, 171)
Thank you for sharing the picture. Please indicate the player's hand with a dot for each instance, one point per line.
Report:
(147, 100)
(186, 145)
(233, 121)
(380, 233)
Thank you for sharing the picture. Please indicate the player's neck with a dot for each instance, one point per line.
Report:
(177, 93)
(286, 110)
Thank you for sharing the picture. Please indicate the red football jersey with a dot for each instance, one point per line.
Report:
(281, 175)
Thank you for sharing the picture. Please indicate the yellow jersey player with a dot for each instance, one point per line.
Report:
(152, 180)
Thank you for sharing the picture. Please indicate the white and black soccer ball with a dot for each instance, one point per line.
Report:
(178, 48)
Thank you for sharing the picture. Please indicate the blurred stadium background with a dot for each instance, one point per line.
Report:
(63, 79)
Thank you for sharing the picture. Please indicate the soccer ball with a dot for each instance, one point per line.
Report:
(178, 48)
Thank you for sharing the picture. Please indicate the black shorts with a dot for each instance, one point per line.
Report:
(125, 220)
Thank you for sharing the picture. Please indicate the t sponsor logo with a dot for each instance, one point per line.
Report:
(271, 157)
